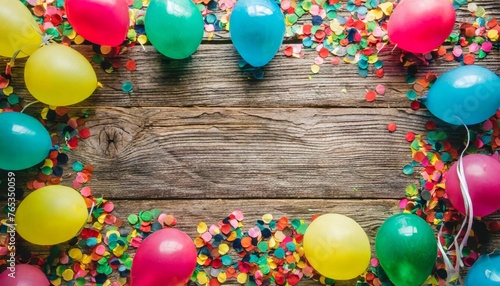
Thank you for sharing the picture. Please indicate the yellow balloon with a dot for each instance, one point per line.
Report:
(18, 30)
(337, 247)
(51, 215)
(58, 75)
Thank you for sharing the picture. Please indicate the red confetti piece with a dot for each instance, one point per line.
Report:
(410, 136)
(415, 105)
(391, 127)
(131, 65)
(370, 95)
(430, 125)
(469, 59)
(84, 133)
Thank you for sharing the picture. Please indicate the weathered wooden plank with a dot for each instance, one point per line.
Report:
(211, 77)
(370, 214)
(146, 153)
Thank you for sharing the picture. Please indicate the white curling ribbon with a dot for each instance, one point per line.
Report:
(453, 272)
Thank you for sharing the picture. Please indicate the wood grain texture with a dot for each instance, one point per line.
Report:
(161, 153)
(212, 78)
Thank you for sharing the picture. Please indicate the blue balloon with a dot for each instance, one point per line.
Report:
(471, 93)
(257, 28)
(24, 141)
(485, 271)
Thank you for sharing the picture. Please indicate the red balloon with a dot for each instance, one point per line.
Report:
(481, 174)
(419, 26)
(166, 257)
(103, 22)
(23, 275)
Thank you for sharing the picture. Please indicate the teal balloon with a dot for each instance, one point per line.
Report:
(406, 249)
(485, 271)
(174, 27)
(257, 29)
(24, 141)
(471, 93)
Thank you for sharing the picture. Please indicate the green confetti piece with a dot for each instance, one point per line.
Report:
(411, 191)
(299, 11)
(279, 253)
(127, 87)
(263, 246)
(47, 170)
(291, 246)
(331, 15)
(137, 4)
(13, 99)
(292, 18)
(411, 94)
(408, 170)
(302, 228)
(265, 269)
(482, 54)
(133, 219)
(77, 166)
(306, 5)
(226, 260)
(410, 79)
(146, 216)
(53, 32)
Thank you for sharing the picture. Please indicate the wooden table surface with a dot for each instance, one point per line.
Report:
(197, 139)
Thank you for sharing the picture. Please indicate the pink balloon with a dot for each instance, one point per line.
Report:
(166, 257)
(419, 26)
(103, 22)
(23, 275)
(482, 175)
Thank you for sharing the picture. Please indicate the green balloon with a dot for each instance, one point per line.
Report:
(174, 27)
(407, 249)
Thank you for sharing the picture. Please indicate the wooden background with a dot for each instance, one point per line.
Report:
(198, 139)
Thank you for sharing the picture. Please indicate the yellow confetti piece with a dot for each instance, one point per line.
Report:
(386, 7)
(202, 278)
(267, 218)
(271, 263)
(372, 59)
(76, 254)
(79, 40)
(68, 274)
(336, 27)
(122, 281)
(493, 35)
(279, 236)
(375, 14)
(223, 248)
(201, 259)
(272, 243)
(56, 282)
(48, 163)
(222, 277)
(72, 35)
(315, 68)
(106, 50)
(202, 228)
(232, 236)
(86, 259)
(301, 264)
(101, 218)
(242, 278)
(99, 84)
(8, 90)
(44, 113)
(109, 233)
(142, 39)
